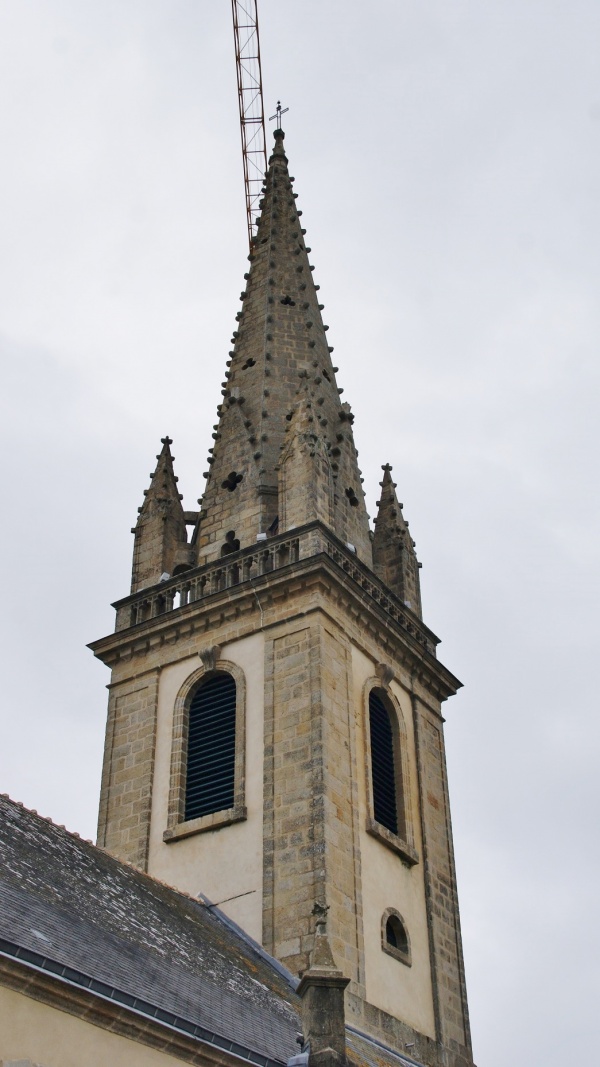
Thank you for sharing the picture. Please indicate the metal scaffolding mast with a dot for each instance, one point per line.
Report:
(250, 99)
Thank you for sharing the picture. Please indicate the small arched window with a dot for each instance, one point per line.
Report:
(211, 747)
(394, 936)
(386, 775)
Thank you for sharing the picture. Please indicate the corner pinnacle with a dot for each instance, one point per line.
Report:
(160, 531)
(394, 557)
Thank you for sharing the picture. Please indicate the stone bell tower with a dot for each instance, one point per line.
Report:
(274, 736)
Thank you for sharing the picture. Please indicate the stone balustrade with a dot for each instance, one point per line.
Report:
(377, 591)
(263, 558)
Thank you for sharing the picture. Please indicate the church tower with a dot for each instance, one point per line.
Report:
(274, 736)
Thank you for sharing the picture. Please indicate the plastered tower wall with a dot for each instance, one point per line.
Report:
(308, 619)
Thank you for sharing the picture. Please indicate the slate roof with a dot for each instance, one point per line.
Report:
(72, 910)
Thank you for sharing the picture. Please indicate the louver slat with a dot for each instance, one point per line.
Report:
(382, 764)
(210, 779)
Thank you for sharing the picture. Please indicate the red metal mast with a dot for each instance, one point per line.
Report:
(250, 99)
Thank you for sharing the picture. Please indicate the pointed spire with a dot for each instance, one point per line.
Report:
(394, 557)
(280, 345)
(160, 532)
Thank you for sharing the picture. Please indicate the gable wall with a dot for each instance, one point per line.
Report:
(49, 1037)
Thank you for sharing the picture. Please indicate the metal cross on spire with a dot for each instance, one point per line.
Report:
(279, 111)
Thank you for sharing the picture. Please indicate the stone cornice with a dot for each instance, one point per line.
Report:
(265, 557)
(319, 579)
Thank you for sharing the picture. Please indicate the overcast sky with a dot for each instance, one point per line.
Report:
(446, 155)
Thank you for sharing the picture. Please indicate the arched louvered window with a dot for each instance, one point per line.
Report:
(385, 769)
(210, 778)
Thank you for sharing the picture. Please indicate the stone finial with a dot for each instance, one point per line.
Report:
(278, 149)
(322, 956)
(320, 910)
(321, 990)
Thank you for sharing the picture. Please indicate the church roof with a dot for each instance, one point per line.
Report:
(72, 911)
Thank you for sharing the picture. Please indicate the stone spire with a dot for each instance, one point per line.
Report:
(394, 557)
(160, 532)
(280, 348)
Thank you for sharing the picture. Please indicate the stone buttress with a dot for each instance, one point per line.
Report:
(284, 587)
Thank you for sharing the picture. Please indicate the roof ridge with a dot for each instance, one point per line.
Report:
(46, 818)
